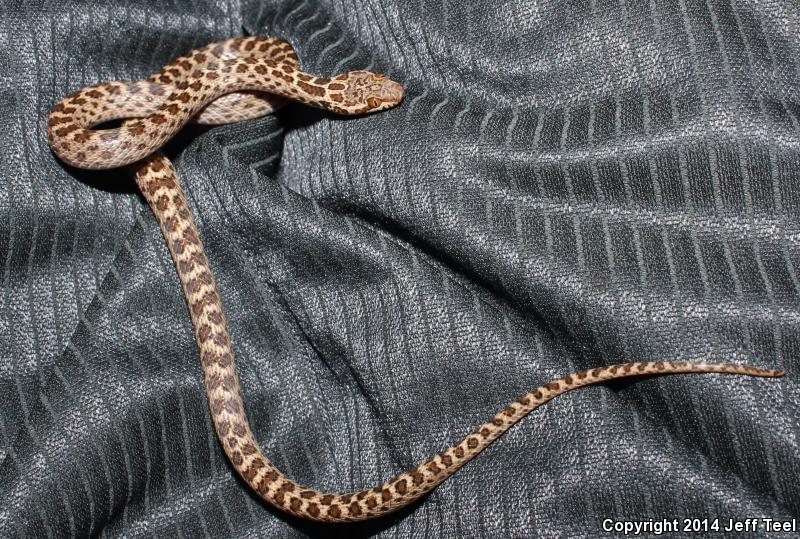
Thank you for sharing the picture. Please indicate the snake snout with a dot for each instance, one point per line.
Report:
(391, 92)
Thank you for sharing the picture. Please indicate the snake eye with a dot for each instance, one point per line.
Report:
(374, 102)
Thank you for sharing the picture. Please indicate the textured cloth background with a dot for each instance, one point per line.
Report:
(566, 185)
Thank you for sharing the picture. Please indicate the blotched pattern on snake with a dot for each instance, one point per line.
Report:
(236, 80)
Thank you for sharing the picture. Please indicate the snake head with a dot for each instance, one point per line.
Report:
(362, 92)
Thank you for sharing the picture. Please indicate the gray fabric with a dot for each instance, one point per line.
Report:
(566, 185)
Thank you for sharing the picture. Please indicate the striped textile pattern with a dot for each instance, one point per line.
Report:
(567, 185)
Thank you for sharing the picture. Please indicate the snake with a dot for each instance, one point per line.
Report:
(235, 80)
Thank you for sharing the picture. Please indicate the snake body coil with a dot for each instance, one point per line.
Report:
(231, 81)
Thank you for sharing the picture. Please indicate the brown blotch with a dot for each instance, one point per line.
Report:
(208, 358)
(55, 120)
(287, 486)
(263, 488)
(183, 97)
(232, 407)
(372, 503)
(80, 137)
(472, 443)
(306, 494)
(334, 511)
(162, 203)
(313, 509)
(192, 287)
(552, 386)
(485, 432)
(213, 381)
(241, 68)
(446, 460)
(295, 504)
(433, 468)
(248, 449)
(417, 477)
(228, 383)
(327, 499)
(184, 266)
(190, 235)
(250, 473)
(136, 129)
(208, 298)
(271, 476)
(225, 360)
(171, 223)
(354, 509)
(459, 452)
(236, 458)
(221, 339)
(568, 379)
(659, 366)
(204, 332)
(217, 406)
(310, 89)
(401, 486)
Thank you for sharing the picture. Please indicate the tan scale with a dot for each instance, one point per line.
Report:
(231, 81)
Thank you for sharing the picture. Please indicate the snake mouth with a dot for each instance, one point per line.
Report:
(391, 92)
